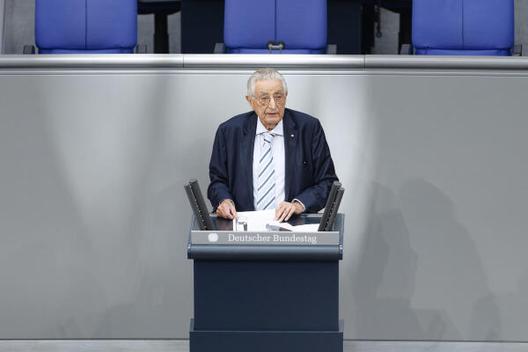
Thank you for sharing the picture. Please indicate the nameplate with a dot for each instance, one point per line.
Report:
(280, 238)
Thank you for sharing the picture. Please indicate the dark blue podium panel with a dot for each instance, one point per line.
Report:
(266, 291)
(266, 295)
(266, 341)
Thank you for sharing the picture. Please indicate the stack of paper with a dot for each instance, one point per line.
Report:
(264, 220)
(277, 226)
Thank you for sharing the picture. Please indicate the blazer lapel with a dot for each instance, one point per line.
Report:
(290, 151)
(246, 149)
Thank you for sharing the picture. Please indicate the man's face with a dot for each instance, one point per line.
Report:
(269, 102)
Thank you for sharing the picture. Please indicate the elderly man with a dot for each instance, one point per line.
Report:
(271, 157)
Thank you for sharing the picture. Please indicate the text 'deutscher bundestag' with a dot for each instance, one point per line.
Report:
(265, 238)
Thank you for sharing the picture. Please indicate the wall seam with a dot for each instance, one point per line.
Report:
(275, 22)
(85, 24)
(463, 27)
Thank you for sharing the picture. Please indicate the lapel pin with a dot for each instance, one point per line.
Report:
(291, 136)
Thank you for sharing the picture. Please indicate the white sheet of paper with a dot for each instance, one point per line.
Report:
(296, 228)
(306, 228)
(256, 220)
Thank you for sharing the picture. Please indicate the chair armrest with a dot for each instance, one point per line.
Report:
(517, 50)
(29, 50)
(331, 49)
(140, 49)
(219, 48)
(406, 49)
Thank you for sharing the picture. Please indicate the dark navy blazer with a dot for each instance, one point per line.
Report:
(309, 169)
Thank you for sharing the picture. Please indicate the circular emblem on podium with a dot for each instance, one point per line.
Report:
(213, 237)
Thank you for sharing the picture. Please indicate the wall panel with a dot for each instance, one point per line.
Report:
(94, 220)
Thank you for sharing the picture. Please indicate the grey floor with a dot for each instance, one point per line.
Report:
(183, 346)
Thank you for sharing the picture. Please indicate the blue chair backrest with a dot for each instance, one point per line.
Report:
(85, 26)
(249, 25)
(463, 27)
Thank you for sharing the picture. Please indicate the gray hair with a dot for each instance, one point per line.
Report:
(265, 74)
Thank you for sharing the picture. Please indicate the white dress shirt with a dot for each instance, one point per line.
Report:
(277, 149)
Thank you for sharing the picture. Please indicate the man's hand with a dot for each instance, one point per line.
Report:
(287, 209)
(226, 209)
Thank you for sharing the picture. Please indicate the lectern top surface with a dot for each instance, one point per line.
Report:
(303, 219)
(221, 224)
(222, 243)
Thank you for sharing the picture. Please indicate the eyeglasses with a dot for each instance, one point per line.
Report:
(265, 100)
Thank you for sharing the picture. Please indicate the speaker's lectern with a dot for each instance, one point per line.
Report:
(266, 291)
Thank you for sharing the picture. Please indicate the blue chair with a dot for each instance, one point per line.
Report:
(463, 27)
(85, 26)
(275, 26)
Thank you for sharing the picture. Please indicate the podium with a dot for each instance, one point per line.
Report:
(266, 291)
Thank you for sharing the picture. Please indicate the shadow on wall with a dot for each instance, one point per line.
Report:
(125, 188)
(513, 305)
(42, 256)
(420, 275)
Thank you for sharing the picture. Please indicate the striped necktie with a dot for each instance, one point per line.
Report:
(266, 176)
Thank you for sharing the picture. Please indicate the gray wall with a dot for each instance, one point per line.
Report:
(94, 220)
(442, 253)
(2, 20)
(19, 25)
